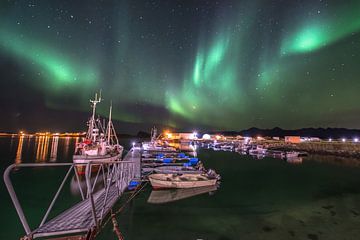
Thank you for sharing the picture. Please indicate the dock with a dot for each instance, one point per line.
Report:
(83, 219)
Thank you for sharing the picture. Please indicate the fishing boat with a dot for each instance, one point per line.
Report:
(292, 154)
(227, 147)
(100, 144)
(258, 150)
(156, 145)
(163, 181)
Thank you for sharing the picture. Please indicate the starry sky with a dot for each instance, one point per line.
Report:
(216, 65)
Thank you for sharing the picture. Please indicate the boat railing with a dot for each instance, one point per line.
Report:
(112, 174)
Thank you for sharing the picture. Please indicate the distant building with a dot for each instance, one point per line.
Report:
(180, 136)
(206, 137)
(292, 139)
(276, 138)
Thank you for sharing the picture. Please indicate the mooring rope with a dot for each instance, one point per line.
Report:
(116, 227)
(112, 216)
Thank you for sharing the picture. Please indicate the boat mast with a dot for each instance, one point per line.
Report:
(92, 124)
(153, 134)
(109, 128)
(111, 134)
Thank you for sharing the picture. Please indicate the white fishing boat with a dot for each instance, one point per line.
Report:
(99, 145)
(155, 144)
(227, 147)
(258, 150)
(162, 181)
(292, 154)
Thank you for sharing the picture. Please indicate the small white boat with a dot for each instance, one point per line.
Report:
(257, 151)
(292, 154)
(162, 181)
(227, 147)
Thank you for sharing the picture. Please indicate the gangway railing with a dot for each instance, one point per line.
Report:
(86, 216)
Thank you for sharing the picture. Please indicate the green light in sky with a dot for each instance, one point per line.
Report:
(211, 81)
(58, 70)
(175, 107)
(309, 39)
(198, 70)
(322, 30)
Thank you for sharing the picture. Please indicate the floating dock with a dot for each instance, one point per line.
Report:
(85, 218)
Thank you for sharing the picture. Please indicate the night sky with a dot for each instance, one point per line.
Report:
(226, 65)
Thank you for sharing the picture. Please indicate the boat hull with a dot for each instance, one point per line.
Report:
(165, 183)
(81, 161)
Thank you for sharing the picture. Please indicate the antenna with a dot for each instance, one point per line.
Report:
(92, 124)
(100, 95)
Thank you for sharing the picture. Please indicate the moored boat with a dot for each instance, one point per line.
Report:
(100, 145)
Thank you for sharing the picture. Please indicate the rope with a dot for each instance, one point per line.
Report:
(116, 227)
(113, 215)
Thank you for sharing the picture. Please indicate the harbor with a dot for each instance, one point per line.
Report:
(102, 175)
(84, 219)
(167, 162)
(260, 192)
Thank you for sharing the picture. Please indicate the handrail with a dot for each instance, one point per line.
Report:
(66, 164)
(56, 196)
(113, 173)
(89, 192)
(14, 198)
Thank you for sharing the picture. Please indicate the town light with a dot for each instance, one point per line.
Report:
(343, 140)
(356, 139)
(206, 137)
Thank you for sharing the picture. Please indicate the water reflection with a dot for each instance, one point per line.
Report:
(54, 147)
(67, 143)
(42, 148)
(75, 185)
(171, 195)
(19, 150)
(335, 160)
(294, 160)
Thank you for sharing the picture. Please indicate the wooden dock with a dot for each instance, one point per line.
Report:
(85, 217)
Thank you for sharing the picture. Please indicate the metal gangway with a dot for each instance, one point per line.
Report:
(85, 218)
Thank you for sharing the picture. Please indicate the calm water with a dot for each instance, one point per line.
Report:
(258, 199)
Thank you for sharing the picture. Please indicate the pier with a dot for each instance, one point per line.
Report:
(85, 218)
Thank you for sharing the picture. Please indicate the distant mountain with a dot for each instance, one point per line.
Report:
(303, 132)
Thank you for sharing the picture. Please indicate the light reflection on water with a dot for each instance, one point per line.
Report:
(258, 199)
(41, 149)
(19, 150)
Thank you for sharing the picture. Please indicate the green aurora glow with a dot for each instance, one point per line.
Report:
(242, 64)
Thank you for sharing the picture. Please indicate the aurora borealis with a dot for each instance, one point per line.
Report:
(225, 65)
